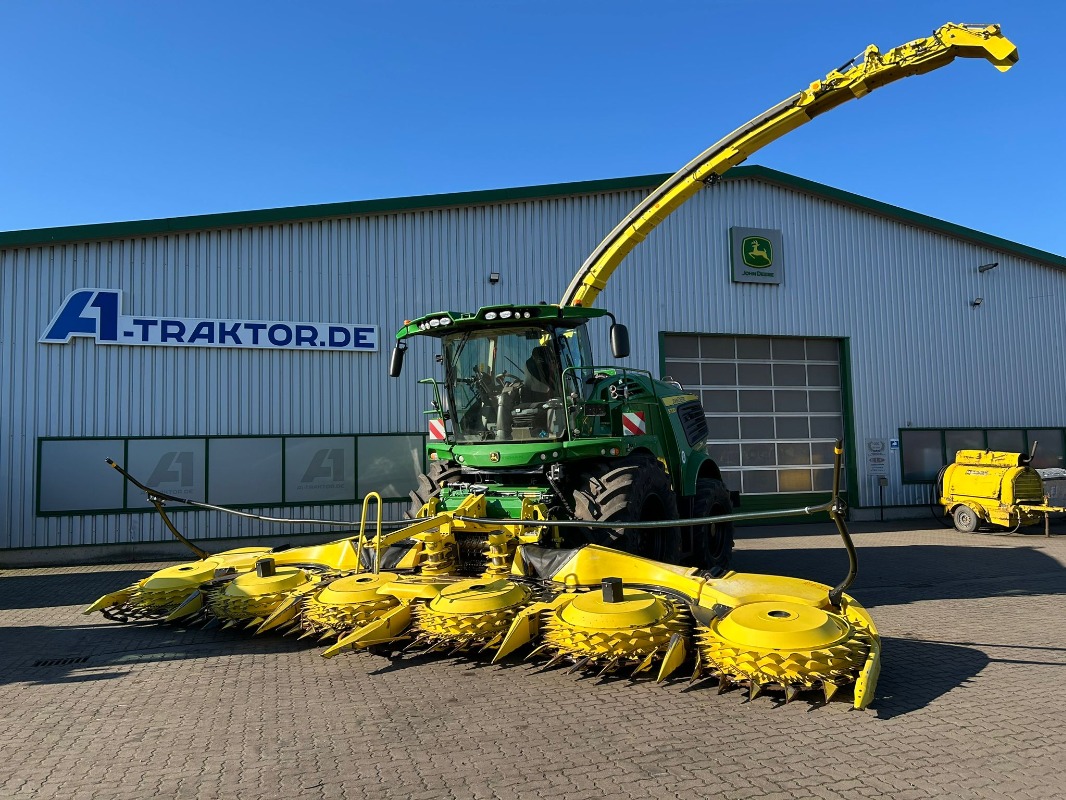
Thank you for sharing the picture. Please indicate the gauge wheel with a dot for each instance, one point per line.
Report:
(966, 519)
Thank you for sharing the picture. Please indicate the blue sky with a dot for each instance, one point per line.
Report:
(131, 110)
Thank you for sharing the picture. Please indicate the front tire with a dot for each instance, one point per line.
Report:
(632, 489)
(712, 545)
(439, 474)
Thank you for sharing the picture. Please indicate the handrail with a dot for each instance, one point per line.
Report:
(362, 533)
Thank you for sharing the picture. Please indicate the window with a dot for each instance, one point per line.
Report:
(954, 441)
(922, 455)
(1049, 449)
(248, 471)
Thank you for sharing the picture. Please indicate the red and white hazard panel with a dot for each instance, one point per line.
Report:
(633, 423)
(436, 430)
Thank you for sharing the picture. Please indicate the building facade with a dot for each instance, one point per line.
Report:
(242, 358)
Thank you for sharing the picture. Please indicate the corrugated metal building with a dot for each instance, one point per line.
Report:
(880, 326)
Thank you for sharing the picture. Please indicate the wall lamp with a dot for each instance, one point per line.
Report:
(494, 277)
(987, 267)
(976, 302)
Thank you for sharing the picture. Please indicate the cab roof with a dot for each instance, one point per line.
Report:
(443, 322)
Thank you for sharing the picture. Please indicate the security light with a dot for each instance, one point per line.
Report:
(494, 277)
(987, 267)
(976, 302)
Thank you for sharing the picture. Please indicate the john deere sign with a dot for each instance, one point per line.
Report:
(756, 255)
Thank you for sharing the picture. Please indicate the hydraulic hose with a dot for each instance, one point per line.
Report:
(936, 491)
(837, 513)
(155, 494)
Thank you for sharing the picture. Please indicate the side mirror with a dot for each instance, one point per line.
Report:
(396, 362)
(619, 340)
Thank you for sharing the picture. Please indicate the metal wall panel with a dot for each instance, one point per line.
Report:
(900, 295)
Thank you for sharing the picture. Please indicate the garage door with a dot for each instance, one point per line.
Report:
(773, 404)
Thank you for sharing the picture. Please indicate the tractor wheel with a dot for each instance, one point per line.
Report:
(430, 484)
(966, 519)
(632, 489)
(712, 545)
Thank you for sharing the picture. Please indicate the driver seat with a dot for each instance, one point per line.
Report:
(540, 374)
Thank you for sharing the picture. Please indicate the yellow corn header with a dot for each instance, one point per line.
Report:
(588, 609)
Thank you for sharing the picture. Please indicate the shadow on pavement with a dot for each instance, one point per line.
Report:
(99, 651)
(905, 574)
(63, 589)
(915, 672)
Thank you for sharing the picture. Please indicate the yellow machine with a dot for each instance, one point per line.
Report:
(995, 488)
(590, 608)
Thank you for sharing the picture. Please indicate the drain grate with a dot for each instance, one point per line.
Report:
(60, 662)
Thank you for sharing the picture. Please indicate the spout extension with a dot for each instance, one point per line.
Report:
(980, 41)
(836, 512)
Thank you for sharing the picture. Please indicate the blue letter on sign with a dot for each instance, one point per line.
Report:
(76, 319)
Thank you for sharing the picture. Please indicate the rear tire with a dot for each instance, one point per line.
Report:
(712, 545)
(440, 473)
(966, 519)
(632, 489)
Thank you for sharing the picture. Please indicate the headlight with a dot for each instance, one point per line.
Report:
(445, 321)
(490, 315)
(504, 315)
(434, 323)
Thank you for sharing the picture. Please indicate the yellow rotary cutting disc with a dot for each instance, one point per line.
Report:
(157, 595)
(470, 613)
(255, 597)
(592, 632)
(347, 603)
(785, 645)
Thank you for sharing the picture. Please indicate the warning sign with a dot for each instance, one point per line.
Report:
(633, 423)
(437, 433)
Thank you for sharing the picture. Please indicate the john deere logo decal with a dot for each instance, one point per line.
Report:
(757, 252)
(494, 456)
(756, 255)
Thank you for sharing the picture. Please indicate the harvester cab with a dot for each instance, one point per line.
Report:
(524, 413)
(509, 371)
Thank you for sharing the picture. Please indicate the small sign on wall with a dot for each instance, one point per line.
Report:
(876, 457)
(757, 255)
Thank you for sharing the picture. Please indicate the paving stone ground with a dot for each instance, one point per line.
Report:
(970, 702)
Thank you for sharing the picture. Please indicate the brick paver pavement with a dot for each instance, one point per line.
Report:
(970, 703)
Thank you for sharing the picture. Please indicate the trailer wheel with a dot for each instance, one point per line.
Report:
(430, 484)
(712, 545)
(966, 519)
(631, 489)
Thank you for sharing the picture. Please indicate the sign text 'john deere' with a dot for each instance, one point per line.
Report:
(756, 255)
(97, 313)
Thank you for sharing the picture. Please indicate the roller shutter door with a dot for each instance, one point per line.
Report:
(774, 407)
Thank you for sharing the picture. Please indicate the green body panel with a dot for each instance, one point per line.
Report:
(501, 502)
(516, 454)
